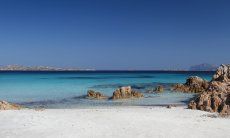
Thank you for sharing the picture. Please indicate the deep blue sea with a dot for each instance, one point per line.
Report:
(67, 89)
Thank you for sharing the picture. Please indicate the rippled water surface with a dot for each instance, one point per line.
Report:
(67, 89)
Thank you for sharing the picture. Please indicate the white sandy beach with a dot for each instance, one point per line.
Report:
(113, 122)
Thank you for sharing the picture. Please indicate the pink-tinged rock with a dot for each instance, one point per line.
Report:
(193, 84)
(9, 106)
(125, 93)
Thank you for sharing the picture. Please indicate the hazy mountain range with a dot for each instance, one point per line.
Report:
(37, 68)
(203, 67)
(200, 67)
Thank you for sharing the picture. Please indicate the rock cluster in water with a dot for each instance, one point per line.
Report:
(216, 97)
(95, 95)
(120, 93)
(125, 93)
(193, 84)
(8, 106)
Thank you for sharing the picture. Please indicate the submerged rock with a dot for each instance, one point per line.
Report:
(150, 91)
(125, 93)
(9, 106)
(193, 84)
(95, 95)
(157, 89)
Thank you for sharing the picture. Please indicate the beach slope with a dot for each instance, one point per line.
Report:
(113, 122)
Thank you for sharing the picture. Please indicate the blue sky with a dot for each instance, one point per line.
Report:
(115, 34)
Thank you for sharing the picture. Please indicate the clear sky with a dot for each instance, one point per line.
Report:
(115, 34)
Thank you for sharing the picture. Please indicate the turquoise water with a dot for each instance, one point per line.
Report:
(67, 89)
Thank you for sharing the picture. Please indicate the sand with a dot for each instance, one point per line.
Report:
(117, 122)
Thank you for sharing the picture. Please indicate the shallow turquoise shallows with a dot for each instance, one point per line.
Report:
(67, 89)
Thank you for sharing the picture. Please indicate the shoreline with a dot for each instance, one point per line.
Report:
(76, 106)
(167, 106)
(102, 71)
(113, 122)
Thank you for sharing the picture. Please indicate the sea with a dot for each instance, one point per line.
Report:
(69, 89)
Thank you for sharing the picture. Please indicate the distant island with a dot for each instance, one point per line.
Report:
(38, 68)
(203, 67)
(200, 67)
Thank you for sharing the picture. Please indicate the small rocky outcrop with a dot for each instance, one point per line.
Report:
(9, 106)
(193, 84)
(95, 95)
(159, 89)
(125, 93)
